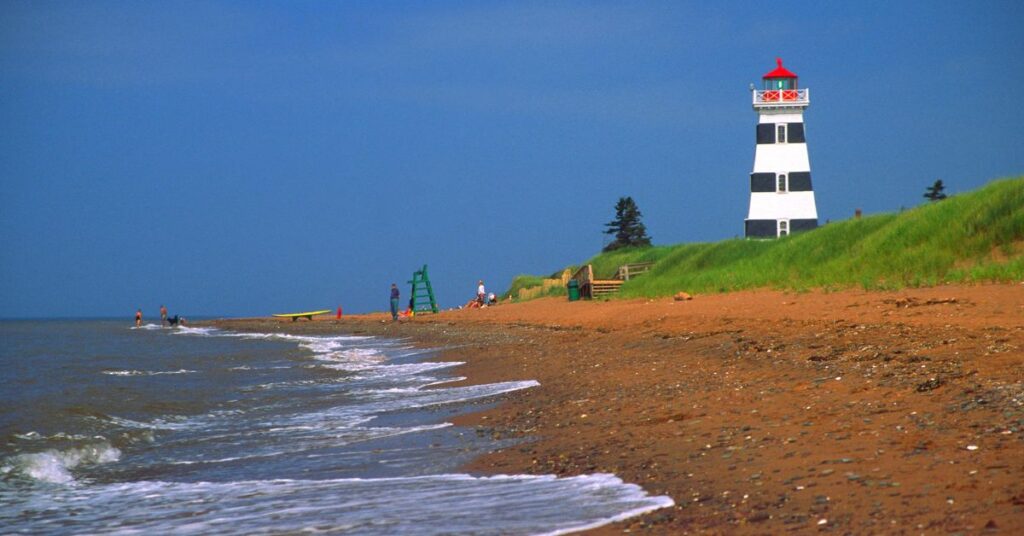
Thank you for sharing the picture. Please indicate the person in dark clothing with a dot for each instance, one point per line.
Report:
(394, 302)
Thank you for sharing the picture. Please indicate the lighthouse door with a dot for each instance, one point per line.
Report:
(783, 227)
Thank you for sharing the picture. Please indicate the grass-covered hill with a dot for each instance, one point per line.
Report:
(970, 237)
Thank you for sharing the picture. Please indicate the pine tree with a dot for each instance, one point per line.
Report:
(629, 231)
(935, 191)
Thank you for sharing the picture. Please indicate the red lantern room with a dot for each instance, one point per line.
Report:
(780, 78)
(780, 85)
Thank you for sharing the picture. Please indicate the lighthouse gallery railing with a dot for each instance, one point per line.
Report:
(782, 97)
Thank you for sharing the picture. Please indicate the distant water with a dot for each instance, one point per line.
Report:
(112, 429)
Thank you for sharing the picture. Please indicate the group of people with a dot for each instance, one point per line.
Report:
(164, 319)
(483, 299)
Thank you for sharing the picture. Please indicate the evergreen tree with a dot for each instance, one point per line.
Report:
(629, 231)
(935, 191)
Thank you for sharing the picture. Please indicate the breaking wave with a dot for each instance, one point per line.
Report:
(437, 504)
(55, 465)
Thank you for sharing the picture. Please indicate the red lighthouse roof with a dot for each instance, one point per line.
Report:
(780, 71)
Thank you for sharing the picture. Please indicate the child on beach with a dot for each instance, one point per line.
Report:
(138, 318)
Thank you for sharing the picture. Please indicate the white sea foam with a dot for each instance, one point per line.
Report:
(439, 504)
(318, 344)
(417, 397)
(148, 327)
(392, 370)
(59, 436)
(296, 439)
(146, 372)
(353, 358)
(55, 465)
(307, 339)
(164, 423)
(188, 330)
(453, 379)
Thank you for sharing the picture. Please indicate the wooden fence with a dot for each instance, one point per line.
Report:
(628, 271)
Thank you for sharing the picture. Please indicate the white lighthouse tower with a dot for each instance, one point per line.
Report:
(781, 198)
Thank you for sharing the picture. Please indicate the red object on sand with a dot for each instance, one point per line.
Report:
(339, 311)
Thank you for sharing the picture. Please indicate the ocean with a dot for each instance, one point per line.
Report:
(112, 429)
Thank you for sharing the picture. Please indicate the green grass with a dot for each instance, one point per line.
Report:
(530, 281)
(971, 237)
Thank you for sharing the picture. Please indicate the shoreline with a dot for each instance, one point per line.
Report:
(756, 411)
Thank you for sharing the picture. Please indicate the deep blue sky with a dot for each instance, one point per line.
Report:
(241, 158)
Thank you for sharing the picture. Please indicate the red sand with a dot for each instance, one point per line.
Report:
(759, 412)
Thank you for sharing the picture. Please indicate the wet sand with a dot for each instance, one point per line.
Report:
(758, 412)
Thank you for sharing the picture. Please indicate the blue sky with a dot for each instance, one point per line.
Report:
(244, 158)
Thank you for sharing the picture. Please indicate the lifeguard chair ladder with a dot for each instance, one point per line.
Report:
(422, 299)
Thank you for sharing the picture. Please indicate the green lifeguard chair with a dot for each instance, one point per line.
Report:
(422, 299)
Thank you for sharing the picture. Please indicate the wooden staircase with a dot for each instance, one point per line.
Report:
(591, 288)
(604, 287)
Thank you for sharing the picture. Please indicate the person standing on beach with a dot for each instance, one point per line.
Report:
(394, 302)
(163, 314)
(481, 293)
(138, 318)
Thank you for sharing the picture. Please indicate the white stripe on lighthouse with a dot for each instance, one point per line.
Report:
(771, 206)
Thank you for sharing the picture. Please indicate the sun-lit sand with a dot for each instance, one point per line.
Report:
(758, 412)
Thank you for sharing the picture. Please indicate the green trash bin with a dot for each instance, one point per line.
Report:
(574, 290)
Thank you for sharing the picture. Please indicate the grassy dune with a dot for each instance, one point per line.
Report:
(526, 281)
(971, 237)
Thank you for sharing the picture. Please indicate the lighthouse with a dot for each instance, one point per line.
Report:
(781, 198)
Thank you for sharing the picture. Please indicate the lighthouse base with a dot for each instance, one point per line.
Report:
(771, 228)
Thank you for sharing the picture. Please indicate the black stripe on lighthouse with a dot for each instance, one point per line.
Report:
(800, 181)
(766, 132)
(795, 226)
(761, 228)
(762, 182)
(796, 132)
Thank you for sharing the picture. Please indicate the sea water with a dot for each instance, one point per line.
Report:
(108, 428)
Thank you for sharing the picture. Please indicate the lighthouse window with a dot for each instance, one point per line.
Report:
(781, 129)
(783, 227)
(782, 183)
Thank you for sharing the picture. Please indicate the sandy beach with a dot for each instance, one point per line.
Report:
(757, 412)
